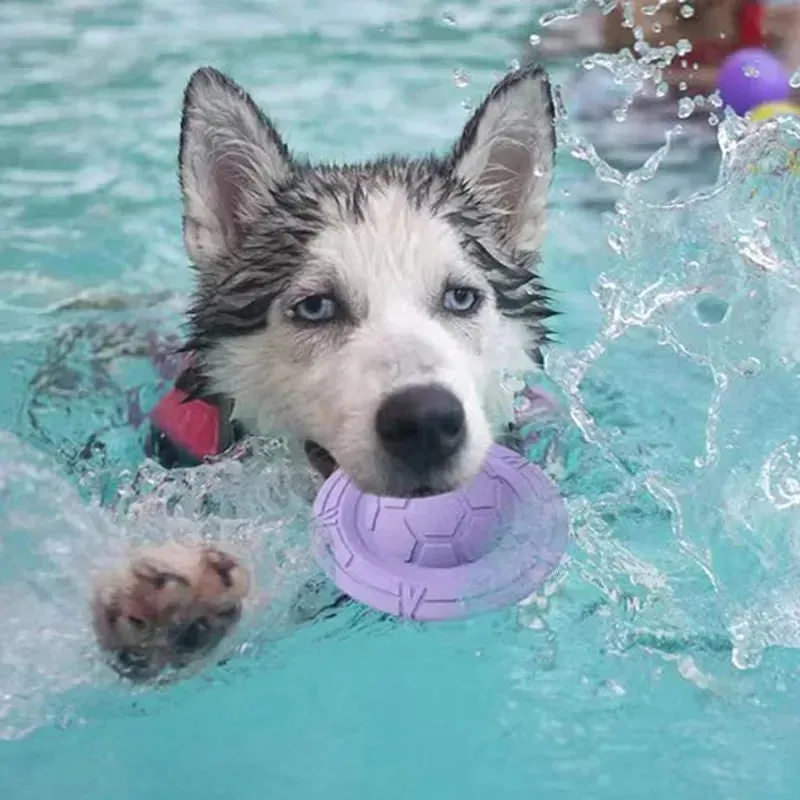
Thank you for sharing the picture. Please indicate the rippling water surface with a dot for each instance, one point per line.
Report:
(661, 660)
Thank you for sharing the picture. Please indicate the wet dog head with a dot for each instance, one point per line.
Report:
(370, 309)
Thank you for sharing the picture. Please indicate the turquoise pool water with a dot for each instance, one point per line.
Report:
(662, 659)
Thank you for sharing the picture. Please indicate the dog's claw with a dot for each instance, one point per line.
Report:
(222, 564)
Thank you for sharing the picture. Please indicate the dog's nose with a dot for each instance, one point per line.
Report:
(422, 426)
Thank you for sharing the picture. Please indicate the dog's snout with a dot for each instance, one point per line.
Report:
(421, 426)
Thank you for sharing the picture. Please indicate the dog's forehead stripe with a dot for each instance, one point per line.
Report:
(392, 230)
(395, 243)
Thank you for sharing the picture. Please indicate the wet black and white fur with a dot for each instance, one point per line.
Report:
(371, 312)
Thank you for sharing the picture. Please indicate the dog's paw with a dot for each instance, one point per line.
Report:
(168, 607)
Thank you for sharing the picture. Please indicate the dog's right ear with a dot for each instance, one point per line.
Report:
(231, 159)
(506, 154)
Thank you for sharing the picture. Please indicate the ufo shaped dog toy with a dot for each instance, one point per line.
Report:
(487, 545)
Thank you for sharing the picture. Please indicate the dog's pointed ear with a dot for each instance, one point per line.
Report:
(231, 159)
(506, 154)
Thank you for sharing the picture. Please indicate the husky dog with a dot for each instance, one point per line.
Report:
(369, 312)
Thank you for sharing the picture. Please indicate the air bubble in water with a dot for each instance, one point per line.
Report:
(794, 81)
(581, 151)
(552, 17)
(448, 18)
(616, 243)
(687, 11)
(683, 46)
(467, 105)
(749, 367)
(534, 39)
(745, 659)
(751, 71)
(685, 107)
(513, 65)
(711, 310)
(461, 78)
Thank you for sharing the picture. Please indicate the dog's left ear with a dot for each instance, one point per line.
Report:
(506, 154)
(231, 161)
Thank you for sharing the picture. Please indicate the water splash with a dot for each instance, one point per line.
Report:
(705, 292)
(52, 543)
(678, 455)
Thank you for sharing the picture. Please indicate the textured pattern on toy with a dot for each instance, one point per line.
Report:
(486, 546)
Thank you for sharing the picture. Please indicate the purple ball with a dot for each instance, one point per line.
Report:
(748, 78)
(487, 545)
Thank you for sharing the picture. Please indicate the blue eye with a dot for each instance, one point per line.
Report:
(316, 308)
(461, 300)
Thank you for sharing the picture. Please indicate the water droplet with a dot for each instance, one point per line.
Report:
(610, 688)
(688, 670)
(581, 151)
(711, 310)
(794, 81)
(744, 659)
(461, 78)
(687, 11)
(535, 40)
(513, 65)
(751, 71)
(713, 120)
(683, 85)
(537, 624)
(685, 107)
(656, 27)
(448, 18)
(616, 243)
(683, 46)
(749, 367)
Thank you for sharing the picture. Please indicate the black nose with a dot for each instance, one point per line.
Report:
(422, 426)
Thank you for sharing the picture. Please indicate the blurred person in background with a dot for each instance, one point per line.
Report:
(625, 116)
(715, 28)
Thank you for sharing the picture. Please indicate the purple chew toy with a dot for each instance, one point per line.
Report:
(748, 78)
(488, 545)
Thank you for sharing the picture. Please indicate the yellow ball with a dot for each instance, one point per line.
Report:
(771, 110)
